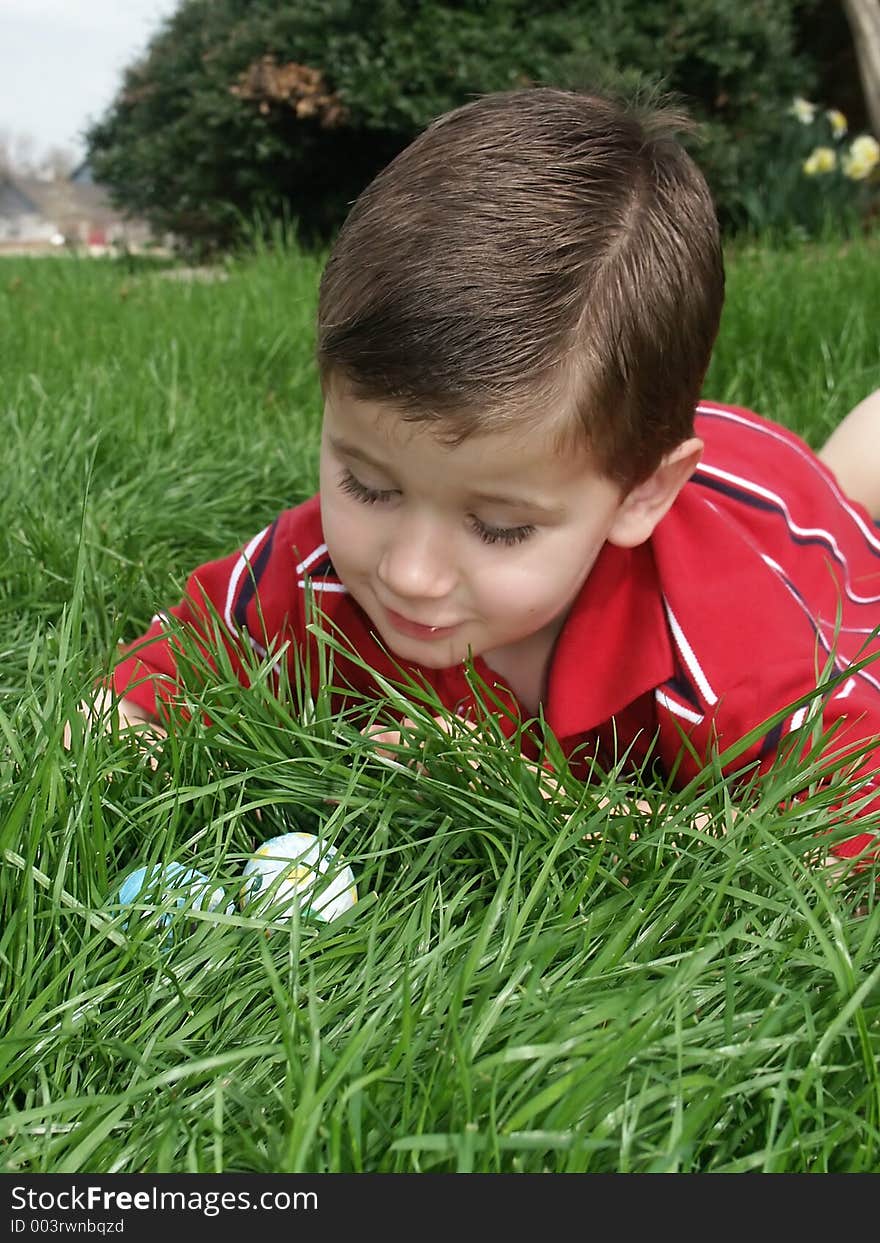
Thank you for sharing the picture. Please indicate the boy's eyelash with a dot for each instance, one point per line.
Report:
(509, 536)
(360, 491)
(501, 535)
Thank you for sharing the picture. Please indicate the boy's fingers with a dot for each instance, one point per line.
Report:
(383, 738)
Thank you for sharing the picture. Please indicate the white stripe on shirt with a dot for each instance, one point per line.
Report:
(311, 558)
(679, 709)
(318, 584)
(689, 657)
(240, 566)
(321, 584)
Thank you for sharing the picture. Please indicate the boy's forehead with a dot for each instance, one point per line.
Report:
(386, 423)
(528, 456)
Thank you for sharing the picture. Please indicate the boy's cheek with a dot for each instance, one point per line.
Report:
(343, 534)
(353, 556)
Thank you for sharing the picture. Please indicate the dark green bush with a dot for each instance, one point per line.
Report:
(288, 107)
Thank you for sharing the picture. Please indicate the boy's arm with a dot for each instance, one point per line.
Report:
(851, 718)
(219, 598)
(835, 737)
(146, 677)
(219, 603)
(548, 785)
(128, 713)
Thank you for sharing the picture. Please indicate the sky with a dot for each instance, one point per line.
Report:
(61, 63)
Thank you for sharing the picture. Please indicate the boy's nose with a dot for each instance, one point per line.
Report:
(416, 562)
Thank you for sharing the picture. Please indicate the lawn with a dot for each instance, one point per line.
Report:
(512, 991)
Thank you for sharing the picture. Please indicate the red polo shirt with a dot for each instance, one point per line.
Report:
(761, 573)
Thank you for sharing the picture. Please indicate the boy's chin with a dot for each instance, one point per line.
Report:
(439, 654)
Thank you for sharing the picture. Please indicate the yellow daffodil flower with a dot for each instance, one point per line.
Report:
(803, 110)
(862, 158)
(837, 121)
(822, 160)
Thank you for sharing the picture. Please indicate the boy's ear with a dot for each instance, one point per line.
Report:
(643, 507)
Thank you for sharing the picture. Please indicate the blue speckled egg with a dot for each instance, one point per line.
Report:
(171, 883)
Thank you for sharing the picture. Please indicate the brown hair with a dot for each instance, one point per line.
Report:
(534, 251)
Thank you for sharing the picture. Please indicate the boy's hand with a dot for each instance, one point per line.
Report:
(387, 738)
(128, 716)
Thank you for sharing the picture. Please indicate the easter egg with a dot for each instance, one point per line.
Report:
(298, 869)
(167, 884)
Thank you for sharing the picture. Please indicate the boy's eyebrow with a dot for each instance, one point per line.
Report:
(520, 502)
(342, 446)
(515, 502)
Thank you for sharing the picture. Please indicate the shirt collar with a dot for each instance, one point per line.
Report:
(614, 645)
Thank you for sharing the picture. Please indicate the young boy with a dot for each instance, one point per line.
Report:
(514, 326)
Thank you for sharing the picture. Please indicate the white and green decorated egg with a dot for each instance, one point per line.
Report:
(298, 870)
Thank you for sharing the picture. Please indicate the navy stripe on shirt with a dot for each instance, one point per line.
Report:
(744, 497)
(324, 569)
(252, 578)
(684, 688)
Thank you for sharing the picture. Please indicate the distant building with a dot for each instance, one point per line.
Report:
(21, 220)
(44, 212)
(82, 175)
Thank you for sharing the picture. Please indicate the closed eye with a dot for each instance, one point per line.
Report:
(361, 492)
(507, 536)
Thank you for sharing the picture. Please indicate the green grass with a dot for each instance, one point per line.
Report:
(507, 994)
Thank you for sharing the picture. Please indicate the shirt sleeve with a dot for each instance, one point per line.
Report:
(220, 601)
(845, 716)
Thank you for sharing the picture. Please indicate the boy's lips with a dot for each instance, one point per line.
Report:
(417, 630)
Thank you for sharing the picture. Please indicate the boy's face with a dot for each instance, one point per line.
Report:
(483, 546)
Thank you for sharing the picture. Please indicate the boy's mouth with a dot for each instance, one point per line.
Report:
(417, 630)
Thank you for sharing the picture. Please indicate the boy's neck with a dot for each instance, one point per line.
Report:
(525, 666)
